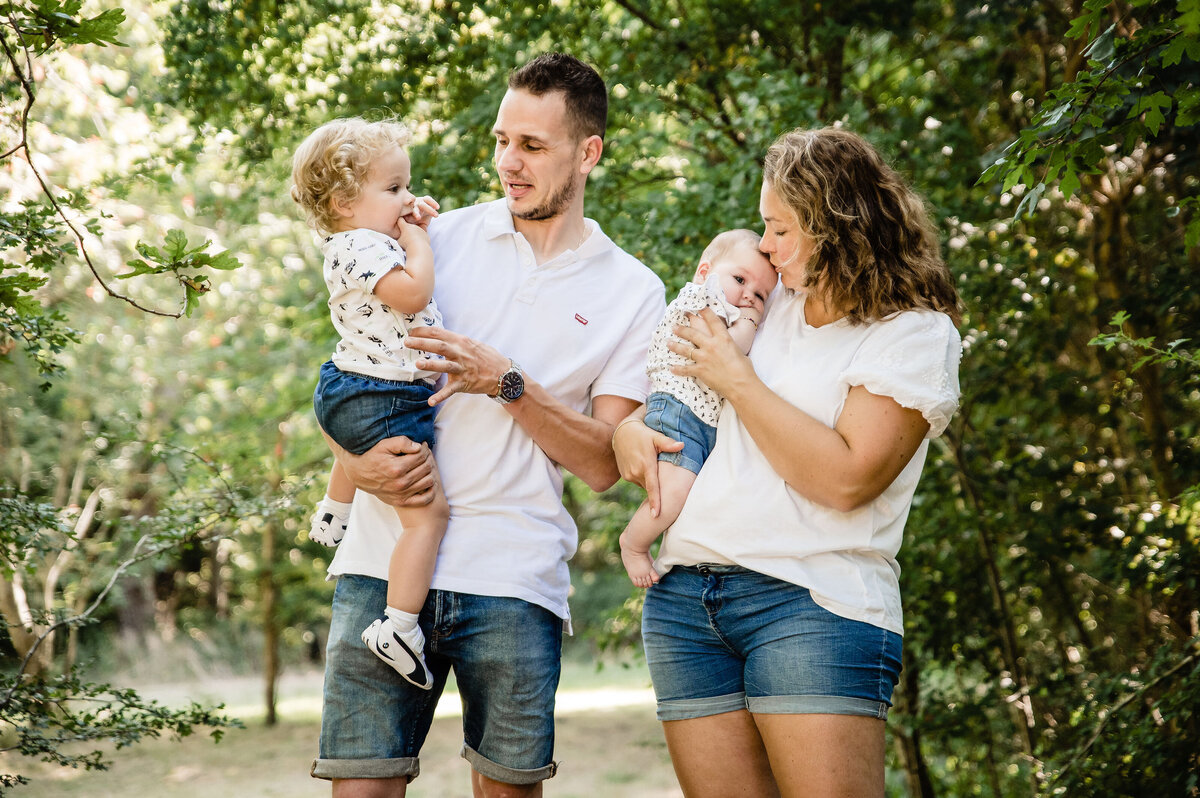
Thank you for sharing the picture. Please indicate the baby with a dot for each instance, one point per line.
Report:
(734, 279)
(352, 179)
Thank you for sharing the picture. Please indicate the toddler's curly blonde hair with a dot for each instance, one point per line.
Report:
(331, 165)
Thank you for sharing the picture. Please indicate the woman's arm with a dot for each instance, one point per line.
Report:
(844, 467)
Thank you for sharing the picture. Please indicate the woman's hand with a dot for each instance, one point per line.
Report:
(636, 447)
(395, 470)
(712, 354)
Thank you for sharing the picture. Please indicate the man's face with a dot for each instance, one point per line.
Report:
(538, 157)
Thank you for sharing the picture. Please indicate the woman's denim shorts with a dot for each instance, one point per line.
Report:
(666, 414)
(720, 638)
(358, 411)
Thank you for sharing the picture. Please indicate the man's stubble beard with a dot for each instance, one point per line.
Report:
(554, 205)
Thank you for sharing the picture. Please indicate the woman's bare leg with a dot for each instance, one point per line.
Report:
(825, 756)
(720, 756)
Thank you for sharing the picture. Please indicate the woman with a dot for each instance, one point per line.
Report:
(773, 637)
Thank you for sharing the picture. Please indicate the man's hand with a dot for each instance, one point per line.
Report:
(469, 366)
(395, 470)
(636, 447)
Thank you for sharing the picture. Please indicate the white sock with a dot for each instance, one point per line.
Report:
(403, 622)
(340, 510)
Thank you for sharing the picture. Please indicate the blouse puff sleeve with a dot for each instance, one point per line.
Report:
(913, 358)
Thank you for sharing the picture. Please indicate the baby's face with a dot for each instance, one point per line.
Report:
(747, 277)
(385, 196)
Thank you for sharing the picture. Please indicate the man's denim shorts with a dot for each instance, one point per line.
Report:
(720, 638)
(359, 411)
(505, 653)
(671, 417)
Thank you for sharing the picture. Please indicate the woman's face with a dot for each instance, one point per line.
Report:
(788, 247)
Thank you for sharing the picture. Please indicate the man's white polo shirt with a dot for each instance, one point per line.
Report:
(579, 325)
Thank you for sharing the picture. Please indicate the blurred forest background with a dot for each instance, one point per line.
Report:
(158, 454)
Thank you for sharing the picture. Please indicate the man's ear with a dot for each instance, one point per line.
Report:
(702, 271)
(591, 149)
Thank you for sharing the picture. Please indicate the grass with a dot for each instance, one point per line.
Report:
(608, 744)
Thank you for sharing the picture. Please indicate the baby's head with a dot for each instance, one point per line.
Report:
(747, 276)
(332, 164)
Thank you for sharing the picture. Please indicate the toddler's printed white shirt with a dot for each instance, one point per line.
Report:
(372, 333)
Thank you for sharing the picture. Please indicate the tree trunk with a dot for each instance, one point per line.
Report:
(269, 594)
(908, 744)
(270, 622)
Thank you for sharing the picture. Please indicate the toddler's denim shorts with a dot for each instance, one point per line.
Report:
(359, 411)
(673, 418)
(721, 638)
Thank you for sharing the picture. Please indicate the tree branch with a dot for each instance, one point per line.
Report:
(23, 145)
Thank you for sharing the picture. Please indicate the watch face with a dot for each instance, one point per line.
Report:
(512, 385)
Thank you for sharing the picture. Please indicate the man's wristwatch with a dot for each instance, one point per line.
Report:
(511, 384)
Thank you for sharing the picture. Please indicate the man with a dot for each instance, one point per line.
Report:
(525, 280)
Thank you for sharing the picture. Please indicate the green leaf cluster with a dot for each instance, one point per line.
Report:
(176, 257)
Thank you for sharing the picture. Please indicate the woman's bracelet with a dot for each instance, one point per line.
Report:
(629, 420)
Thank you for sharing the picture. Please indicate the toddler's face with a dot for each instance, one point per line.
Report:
(385, 196)
(747, 277)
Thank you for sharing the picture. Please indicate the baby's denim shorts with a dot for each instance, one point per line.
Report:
(673, 418)
(720, 638)
(358, 411)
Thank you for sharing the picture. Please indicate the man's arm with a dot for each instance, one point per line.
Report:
(579, 443)
(395, 470)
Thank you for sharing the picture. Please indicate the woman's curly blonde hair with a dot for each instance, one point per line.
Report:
(331, 165)
(875, 248)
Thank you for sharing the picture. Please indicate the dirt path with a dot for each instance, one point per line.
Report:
(608, 744)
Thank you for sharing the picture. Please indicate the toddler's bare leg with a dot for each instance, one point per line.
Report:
(397, 638)
(340, 489)
(410, 569)
(674, 483)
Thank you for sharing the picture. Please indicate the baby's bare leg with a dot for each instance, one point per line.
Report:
(674, 482)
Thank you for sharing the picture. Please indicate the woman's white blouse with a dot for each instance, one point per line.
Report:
(741, 512)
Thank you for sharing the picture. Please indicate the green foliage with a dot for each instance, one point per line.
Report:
(1137, 729)
(1050, 563)
(43, 24)
(175, 258)
(34, 531)
(42, 330)
(49, 716)
(1137, 89)
(46, 237)
(1172, 354)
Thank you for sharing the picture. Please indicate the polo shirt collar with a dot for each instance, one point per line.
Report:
(498, 222)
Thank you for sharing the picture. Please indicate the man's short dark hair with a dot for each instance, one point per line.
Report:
(582, 87)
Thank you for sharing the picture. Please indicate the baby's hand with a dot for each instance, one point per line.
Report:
(425, 209)
(412, 234)
(753, 314)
